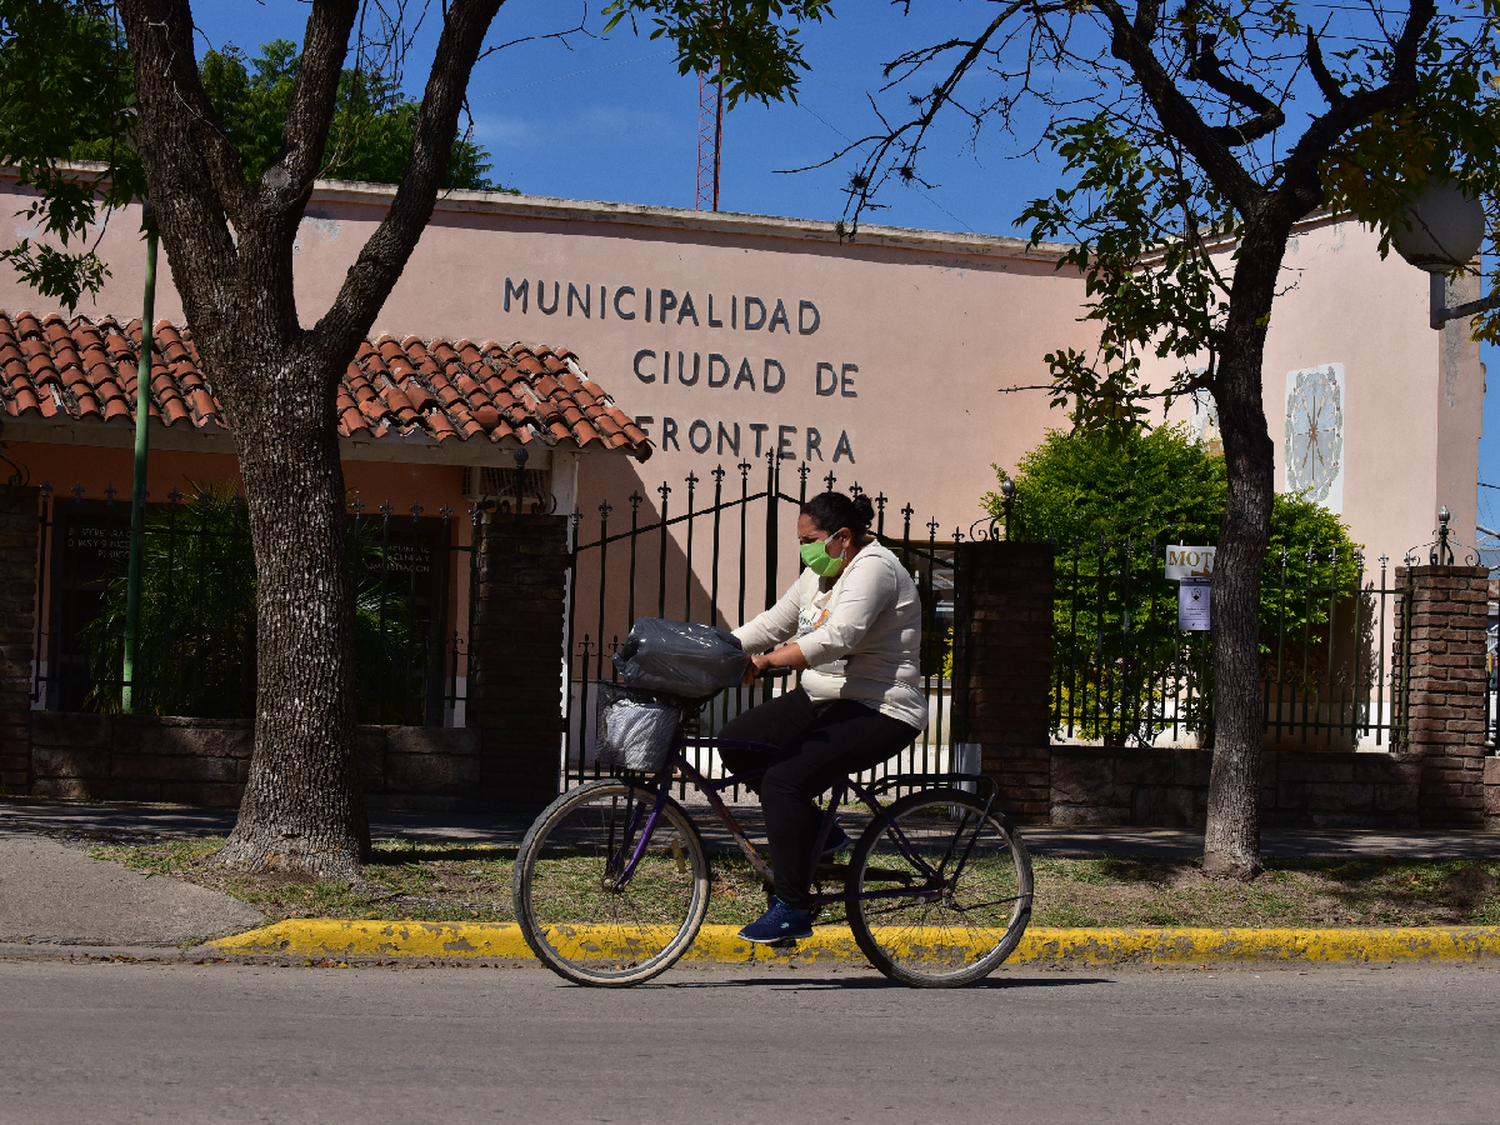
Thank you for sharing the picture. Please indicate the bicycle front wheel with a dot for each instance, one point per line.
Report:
(581, 914)
(941, 894)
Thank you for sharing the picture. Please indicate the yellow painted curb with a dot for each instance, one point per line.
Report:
(1263, 946)
(330, 938)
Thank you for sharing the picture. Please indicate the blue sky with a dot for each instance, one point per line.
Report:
(599, 118)
(610, 119)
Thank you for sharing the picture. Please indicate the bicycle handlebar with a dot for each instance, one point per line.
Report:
(774, 673)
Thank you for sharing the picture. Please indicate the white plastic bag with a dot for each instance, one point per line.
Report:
(635, 732)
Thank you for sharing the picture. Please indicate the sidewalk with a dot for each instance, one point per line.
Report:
(55, 901)
(142, 823)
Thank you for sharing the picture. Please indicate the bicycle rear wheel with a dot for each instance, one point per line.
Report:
(943, 897)
(576, 915)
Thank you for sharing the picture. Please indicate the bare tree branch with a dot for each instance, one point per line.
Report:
(1177, 113)
(175, 115)
(1207, 68)
(289, 179)
(1317, 141)
(1329, 85)
(374, 274)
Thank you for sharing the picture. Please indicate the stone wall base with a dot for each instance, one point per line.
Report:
(206, 761)
(1299, 789)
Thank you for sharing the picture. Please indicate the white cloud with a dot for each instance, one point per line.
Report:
(608, 124)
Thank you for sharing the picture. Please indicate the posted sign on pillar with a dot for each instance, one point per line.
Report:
(1192, 568)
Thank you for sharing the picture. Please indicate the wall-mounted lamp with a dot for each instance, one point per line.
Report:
(1447, 230)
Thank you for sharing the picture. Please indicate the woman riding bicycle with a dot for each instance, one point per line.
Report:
(852, 623)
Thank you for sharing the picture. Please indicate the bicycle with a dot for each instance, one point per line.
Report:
(611, 882)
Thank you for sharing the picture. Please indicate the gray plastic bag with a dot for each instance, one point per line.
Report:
(680, 658)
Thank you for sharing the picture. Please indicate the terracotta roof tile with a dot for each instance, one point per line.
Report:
(438, 423)
(395, 400)
(373, 409)
(436, 389)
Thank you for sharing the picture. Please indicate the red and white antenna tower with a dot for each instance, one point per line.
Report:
(710, 136)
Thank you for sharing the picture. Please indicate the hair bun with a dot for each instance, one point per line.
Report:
(833, 510)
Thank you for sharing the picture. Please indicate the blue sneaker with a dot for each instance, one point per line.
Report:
(780, 923)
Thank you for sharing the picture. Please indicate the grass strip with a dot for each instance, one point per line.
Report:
(471, 882)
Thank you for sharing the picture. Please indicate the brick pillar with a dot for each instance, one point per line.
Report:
(18, 563)
(1492, 794)
(1443, 630)
(1002, 663)
(516, 659)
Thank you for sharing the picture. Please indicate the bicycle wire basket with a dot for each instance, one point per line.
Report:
(635, 728)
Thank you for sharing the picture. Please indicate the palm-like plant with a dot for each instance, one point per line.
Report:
(196, 649)
(196, 644)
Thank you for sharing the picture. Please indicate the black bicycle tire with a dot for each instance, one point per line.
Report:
(534, 930)
(982, 964)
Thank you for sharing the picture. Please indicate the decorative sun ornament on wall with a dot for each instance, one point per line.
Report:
(1315, 434)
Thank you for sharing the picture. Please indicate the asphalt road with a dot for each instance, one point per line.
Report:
(119, 1042)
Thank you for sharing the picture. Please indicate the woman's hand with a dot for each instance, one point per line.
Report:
(787, 656)
(755, 665)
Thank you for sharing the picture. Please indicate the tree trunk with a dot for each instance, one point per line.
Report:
(229, 245)
(1231, 844)
(303, 808)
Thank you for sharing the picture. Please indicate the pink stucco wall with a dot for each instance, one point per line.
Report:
(921, 331)
(1414, 398)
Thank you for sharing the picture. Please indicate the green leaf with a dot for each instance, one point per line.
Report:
(755, 45)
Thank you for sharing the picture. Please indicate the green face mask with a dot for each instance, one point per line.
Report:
(819, 561)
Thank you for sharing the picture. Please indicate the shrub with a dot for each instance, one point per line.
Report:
(1112, 506)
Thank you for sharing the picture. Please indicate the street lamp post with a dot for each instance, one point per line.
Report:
(138, 490)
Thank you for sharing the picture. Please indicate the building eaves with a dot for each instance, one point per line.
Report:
(408, 391)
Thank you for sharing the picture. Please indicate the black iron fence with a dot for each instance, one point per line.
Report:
(1125, 673)
(720, 550)
(717, 549)
(196, 647)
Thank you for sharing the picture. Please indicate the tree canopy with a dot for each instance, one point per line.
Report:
(1177, 126)
(65, 88)
(1194, 137)
(75, 101)
(372, 123)
(754, 46)
(228, 203)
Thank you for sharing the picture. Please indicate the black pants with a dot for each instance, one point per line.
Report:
(821, 743)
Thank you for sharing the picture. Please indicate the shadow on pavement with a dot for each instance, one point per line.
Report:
(867, 980)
